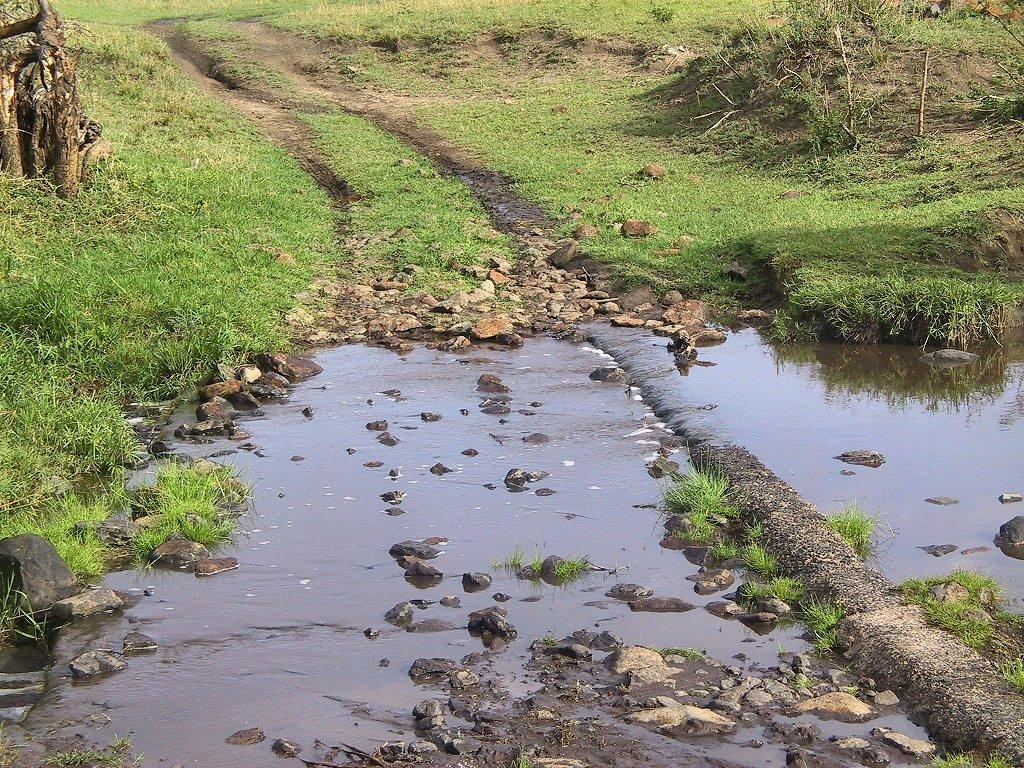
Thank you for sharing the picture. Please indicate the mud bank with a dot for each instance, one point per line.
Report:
(956, 692)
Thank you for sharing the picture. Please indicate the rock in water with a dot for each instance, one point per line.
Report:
(949, 358)
(246, 736)
(475, 582)
(862, 458)
(179, 552)
(96, 663)
(611, 375)
(660, 605)
(136, 642)
(289, 366)
(286, 748)
(211, 566)
(87, 603)
(32, 565)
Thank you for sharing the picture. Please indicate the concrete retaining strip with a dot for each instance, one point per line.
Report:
(956, 693)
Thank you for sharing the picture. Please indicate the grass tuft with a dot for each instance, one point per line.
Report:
(856, 527)
(966, 617)
(784, 588)
(757, 558)
(572, 568)
(1013, 672)
(694, 654)
(822, 620)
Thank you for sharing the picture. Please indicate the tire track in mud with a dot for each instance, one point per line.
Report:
(310, 70)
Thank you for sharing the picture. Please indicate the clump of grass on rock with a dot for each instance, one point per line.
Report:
(856, 527)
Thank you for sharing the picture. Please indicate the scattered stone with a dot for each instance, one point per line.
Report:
(643, 665)
(308, 411)
(32, 565)
(393, 497)
(440, 469)
(490, 382)
(1010, 498)
(638, 228)
(220, 389)
(246, 737)
(386, 438)
(908, 745)
(689, 313)
(424, 573)
(585, 232)
(754, 317)
(654, 171)
(96, 663)
(862, 458)
(939, 550)
(179, 552)
(493, 621)
(417, 549)
(942, 501)
(502, 597)
(378, 426)
(610, 375)
(1011, 535)
(886, 699)
(116, 531)
(629, 592)
(536, 438)
(565, 254)
(211, 566)
(711, 580)
(725, 609)
(451, 601)
(837, 705)
(545, 492)
(476, 582)
(291, 367)
(430, 670)
(430, 417)
(517, 479)
(431, 625)
(660, 605)
(491, 328)
(90, 602)
(735, 271)
(371, 633)
(628, 321)
(136, 642)
(285, 748)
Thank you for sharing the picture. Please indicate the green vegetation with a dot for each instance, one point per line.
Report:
(17, 619)
(724, 550)
(522, 761)
(788, 590)
(193, 501)
(822, 620)
(162, 267)
(856, 527)
(512, 562)
(959, 605)
(572, 568)
(701, 501)
(760, 560)
(1013, 671)
(965, 760)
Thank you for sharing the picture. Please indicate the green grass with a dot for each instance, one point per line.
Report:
(159, 269)
(784, 588)
(758, 559)
(724, 550)
(965, 760)
(572, 568)
(701, 499)
(822, 621)
(856, 527)
(966, 618)
(188, 501)
(17, 620)
(512, 562)
(1013, 672)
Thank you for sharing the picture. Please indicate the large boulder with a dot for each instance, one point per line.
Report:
(289, 366)
(88, 603)
(32, 565)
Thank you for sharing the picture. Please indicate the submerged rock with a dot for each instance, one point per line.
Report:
(285, 748)
(96, 663)
(837, 705)
(421, 550)
(211, 566)
(629, 592)
(476, 582)
(246, 736)
(290, 366)
(660, 605)
(611, 375)
(32, 565)
(179, 552)
(685, 717)
(136, 642)
(862, 458)
(493, 621)
(949, 358)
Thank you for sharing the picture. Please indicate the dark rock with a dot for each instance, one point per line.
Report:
(610, 375)
(440, 469)
(629, 592)
(116, 531)
(430, 670)
(517, 479)
(271, 386)
(136, 642)
(371, 633)
(400, 615)
(1012, 531)
(451, 601)
(662, 467)
(285, 748)
(247, 736)
(96, 663)
(290, 366)
(431, 625)
(501, 597)
(378, 426)
(220, 389)
(216, 408)
(862, 458)
(423, 574)
(575, 651)
(494, 621)
(736, 271)
(711, 580)
(471, 452)
(660, 605)
(386, 438)
(395, 511)
(476, 582)
(179, 552)
(430, 417)
(418, 549)
(87, 603)
(545, 492)
(536, 438)
(32, 565)
(308, 413)
(490, 382)
(942, 501)
(565, 254)
(393, 497)
(606, 641)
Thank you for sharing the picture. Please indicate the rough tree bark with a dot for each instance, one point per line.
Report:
(43, 130)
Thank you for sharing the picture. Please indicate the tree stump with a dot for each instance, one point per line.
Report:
(43, 130)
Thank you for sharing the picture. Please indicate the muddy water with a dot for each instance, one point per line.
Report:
(279, 642)
(944, 432)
